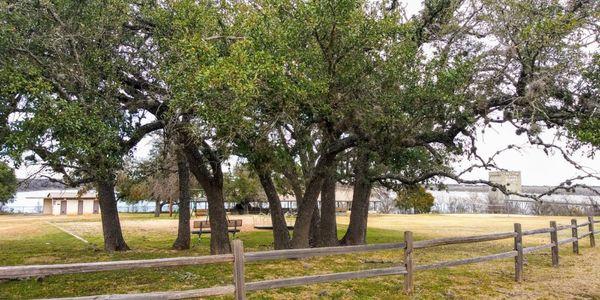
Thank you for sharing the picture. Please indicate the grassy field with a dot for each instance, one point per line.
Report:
(34, 240)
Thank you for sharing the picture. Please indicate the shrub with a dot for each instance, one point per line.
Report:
(415, 199)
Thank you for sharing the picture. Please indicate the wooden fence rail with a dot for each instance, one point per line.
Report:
(239, 259)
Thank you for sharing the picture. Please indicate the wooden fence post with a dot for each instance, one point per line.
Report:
(554, 240)
(574, 235)
(408, 262)
(238, 270)
(591, 227)
(519, 249)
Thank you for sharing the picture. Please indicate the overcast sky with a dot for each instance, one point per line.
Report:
(536, 167)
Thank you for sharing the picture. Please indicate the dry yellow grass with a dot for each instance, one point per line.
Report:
(578, 276)
(459, 224)
(90, 225)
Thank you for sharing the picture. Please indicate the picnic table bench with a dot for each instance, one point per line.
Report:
(201, 212)
(233, 226)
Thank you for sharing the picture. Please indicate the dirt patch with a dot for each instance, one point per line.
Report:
(148, 226)
(19, 228)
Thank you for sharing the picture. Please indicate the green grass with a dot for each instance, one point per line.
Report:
(50, 245)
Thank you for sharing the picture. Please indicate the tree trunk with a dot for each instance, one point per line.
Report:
(302, 226)
(281, 235)
(183, 231)
(308, 205)
(357, 229)
(111, 226)
(314, 235)
(328, 225)
(292, 178)
(219, 236)
(212, 184)
(157, 208)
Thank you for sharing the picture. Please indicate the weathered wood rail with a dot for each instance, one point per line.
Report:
(239, 287)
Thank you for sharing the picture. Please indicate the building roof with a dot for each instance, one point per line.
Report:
(66, 194)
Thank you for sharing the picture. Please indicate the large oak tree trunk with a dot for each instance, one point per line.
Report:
(212, 184)
(219, 236)
(111, 226)
(328, 225)
(357, 229)
(314, 236)
(183, 240)
(281, 235)
(302, 226)
(308, 206)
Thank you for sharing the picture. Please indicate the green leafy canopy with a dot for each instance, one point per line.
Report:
(8, 183)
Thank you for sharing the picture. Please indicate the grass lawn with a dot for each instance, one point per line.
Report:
(34, 240)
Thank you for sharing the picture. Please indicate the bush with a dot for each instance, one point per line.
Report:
(8, 183)
(415, 199)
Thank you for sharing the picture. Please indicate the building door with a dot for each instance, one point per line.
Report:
(80, 207)
(96, 207)
(63, 207)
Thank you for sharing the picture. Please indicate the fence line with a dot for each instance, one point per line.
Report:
(239, 259)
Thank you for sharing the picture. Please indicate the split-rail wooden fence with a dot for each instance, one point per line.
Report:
(240, 287)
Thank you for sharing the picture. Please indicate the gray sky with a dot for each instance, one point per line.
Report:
(536, 167)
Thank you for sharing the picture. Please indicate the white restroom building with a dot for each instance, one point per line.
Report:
(71, 203)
